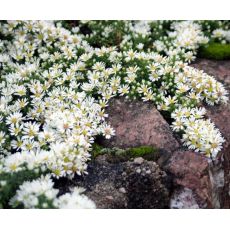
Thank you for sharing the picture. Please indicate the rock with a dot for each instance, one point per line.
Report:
(190, 170)
(146, 190)
(138, 160)
(220, 115)
(118, 185)
(101, 184)
(138, 123)
(122, 190)
(183, 199)
(109, 197)
(217, 179)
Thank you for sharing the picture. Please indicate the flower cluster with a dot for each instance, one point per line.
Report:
(221, 35)
(74, 200)
(40, 193)
(47, 118)
(199, 134)
(56, 83)
(178, 38)
(186, 38)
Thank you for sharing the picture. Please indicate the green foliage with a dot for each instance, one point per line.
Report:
(96, 150)
(210, 25)
(215, 51)
(105, 33)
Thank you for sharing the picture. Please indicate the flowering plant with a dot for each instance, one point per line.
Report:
(55, 85)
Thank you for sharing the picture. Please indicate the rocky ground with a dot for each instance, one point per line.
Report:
(178, 178)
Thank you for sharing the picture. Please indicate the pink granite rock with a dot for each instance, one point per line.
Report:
(138, 123)
(190, 170)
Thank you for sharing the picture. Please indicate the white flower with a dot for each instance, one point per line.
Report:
(140, 46)
(123, 89)
(107, 131)
(14, 118)
(30, 130)
(74, 200)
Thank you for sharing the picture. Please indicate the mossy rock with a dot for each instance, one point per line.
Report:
(117, 154)
(215, 51)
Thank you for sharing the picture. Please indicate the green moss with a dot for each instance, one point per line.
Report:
(147, 152)
(215, 51)
(141, 151)
(96, 150)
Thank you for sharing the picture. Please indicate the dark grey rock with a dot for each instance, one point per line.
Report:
(119, 185)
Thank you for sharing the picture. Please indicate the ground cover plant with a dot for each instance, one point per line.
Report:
(57, 77)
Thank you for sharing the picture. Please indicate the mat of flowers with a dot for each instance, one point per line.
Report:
(56, 79)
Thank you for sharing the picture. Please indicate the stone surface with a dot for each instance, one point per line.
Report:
(138, 123)
(216, 173)
(145, 185)
(220, 115)
(138, 160)
(190, 170)
(119, 185)
(183, 199)
(102, 183)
